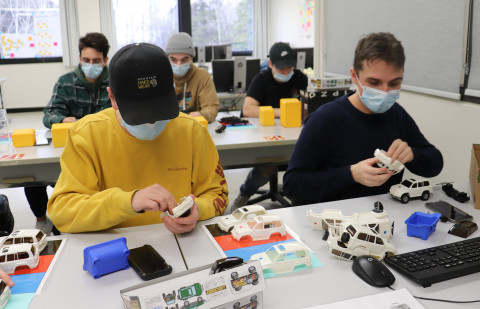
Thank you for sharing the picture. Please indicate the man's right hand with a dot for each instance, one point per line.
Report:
(366, 174)
(69, 119)
(153, 198)
(6, 278)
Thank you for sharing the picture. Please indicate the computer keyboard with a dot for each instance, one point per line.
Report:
(439, 263)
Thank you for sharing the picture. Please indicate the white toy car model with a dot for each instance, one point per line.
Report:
(284, 257)
(259, 228)
(333, 218)
(385, 161)
(411, 188)
(4, 294)
(14, 256)
(356, 240)
(181, 209)
(27, 236)
(242, 214)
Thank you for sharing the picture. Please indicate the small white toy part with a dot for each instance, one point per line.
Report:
(284, 257)
(242, 214)
(351, 241)
(27, 236)
(385, 161)
(184, 206)
(376, 219)
(4, 294)
(259, 228)
(411, 188)
(14, 256)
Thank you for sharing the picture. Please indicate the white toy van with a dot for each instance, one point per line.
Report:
(27, 236)
(14, 256)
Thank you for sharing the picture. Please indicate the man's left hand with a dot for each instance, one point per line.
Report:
(399, 150)
(182, 224)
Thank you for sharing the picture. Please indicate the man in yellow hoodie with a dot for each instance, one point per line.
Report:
(196, 94)
(125, 165)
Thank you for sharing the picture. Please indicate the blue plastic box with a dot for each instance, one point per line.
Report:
(106, 257)
(421, 224)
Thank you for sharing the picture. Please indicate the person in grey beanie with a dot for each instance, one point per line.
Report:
(194, 87)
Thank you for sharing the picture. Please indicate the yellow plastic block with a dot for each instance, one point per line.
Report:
(267, 116)
(59, 133)
(202, 120)
(290, 112)
(24, 137)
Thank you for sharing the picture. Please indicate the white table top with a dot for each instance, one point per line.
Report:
(237, 147)
(69, 286)
(335, 281)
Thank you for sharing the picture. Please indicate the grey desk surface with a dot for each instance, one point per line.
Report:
(237, 147)
(69, 286)
(335, 281)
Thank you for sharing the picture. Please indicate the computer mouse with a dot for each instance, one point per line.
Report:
(372, 271)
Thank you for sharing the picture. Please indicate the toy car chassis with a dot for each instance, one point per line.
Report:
(458, 196)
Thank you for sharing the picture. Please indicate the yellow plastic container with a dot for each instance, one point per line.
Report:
(290, 112)
(24, 137)
(59, 133)
(267, 116)
(202, 120)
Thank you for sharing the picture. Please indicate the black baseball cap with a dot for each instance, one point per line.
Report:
(282, 56)
(141, 80)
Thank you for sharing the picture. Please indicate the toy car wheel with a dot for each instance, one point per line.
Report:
(345, 237)
(234, 275)
(199, 299)
(405, 198)
(255, 282)
(253, 298)
(186, 303)
(236, 305)
(425, 195)
(252, 269)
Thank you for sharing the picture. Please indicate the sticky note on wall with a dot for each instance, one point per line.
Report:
(59, 133)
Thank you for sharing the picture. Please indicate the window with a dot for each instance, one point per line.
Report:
(149, 21)
(212, 22)
(22, 255)
(223, 21)
(30, 31)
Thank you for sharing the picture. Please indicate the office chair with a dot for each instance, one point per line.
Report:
(274, 194)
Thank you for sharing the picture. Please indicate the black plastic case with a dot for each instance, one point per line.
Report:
(148, 263)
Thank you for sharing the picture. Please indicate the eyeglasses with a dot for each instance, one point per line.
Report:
(92, 61)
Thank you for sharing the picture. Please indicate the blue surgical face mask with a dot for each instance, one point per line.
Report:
(181, 69)
(378, 101)
(92, 70)
(281, 77)
(147, 131)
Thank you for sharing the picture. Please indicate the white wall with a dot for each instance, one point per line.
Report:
(451, 125)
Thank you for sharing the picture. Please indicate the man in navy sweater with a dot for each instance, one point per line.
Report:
(333, 158)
